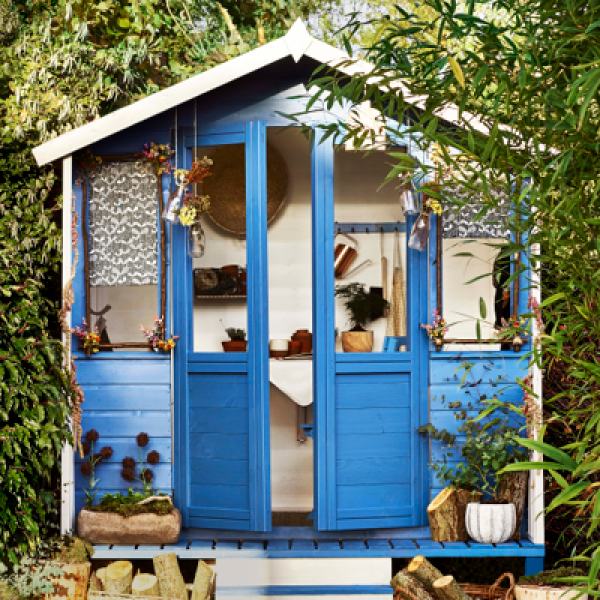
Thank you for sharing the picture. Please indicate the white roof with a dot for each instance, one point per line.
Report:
(296, 43)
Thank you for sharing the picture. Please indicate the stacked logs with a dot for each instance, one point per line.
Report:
(422, 581)
(117, 581)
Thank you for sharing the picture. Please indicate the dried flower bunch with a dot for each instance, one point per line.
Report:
(143, 473)
(193, 207)
(156, 335)
(88, 468)
(510, 329)
(156, 156)
(91, 339)
(438, 327)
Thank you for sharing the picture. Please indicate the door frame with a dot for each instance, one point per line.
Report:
(253, 135)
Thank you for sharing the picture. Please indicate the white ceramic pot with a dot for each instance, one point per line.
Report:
(543, 592)
(491, 523)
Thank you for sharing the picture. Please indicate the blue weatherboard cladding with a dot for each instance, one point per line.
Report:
(495, 374)
(123, 398)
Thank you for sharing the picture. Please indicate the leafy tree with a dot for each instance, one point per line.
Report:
(531, 81)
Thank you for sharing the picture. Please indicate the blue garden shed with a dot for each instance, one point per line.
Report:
(243, 437)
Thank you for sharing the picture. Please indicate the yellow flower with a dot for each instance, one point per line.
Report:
(187, 216)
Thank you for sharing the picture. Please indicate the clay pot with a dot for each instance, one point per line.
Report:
(438, 343)
(305, 338)
(111, 528)
(295, 347)
(517, 343)
(235, 345)
(231, 270)
(357, 341)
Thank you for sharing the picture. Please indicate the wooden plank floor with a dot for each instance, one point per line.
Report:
(297, 542)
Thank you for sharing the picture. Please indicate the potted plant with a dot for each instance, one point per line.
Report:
(552, 585)
(361, 306)
(237, 340)
(138, 517)
(490, 444)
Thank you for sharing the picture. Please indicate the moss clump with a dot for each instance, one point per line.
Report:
(127, 506)
(552, 577)
(73, 550)
(7, 592)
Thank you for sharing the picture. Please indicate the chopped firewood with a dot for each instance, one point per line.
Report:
(446, 588)
(424, 571)
(170, 581)
(145, 585)
(95, 583)
(406, 582)
(202, 581)
(118, 577)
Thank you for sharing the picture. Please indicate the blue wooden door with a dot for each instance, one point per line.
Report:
(221, 461)
(370, 463)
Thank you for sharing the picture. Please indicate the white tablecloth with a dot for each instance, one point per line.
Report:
(294, 378)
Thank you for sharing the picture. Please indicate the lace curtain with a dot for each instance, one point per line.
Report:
(122, 226)
(461, 224)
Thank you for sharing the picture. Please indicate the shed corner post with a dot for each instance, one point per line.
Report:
(67, 510)
(536, 478)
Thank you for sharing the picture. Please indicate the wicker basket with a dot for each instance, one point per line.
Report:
(477, 592)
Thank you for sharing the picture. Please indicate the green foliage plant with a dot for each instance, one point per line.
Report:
(360, 304)
(491, 429)
(128, 505)
(236, 334)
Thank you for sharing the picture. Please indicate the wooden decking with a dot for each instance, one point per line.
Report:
(300, 542)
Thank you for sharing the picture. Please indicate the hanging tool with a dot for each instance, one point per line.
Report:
(384, 265)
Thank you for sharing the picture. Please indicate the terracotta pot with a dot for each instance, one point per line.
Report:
(231, 270)
(111, 528)
(235, 345)
(72, 585)
(517, 343)
(357, 341)
(491, 523)
(305, 338)
(295, 347)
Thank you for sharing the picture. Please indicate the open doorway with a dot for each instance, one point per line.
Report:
(290, 312)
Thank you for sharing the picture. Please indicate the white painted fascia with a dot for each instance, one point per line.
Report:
(162, 101)
(298, 40)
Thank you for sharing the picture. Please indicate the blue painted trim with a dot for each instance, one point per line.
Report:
(322, 163)
(304, 590)
(421, 378)
(182, 323)
(534, 565)
(258, 325)
(142, 355)
(215, 139)
(217, 357)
